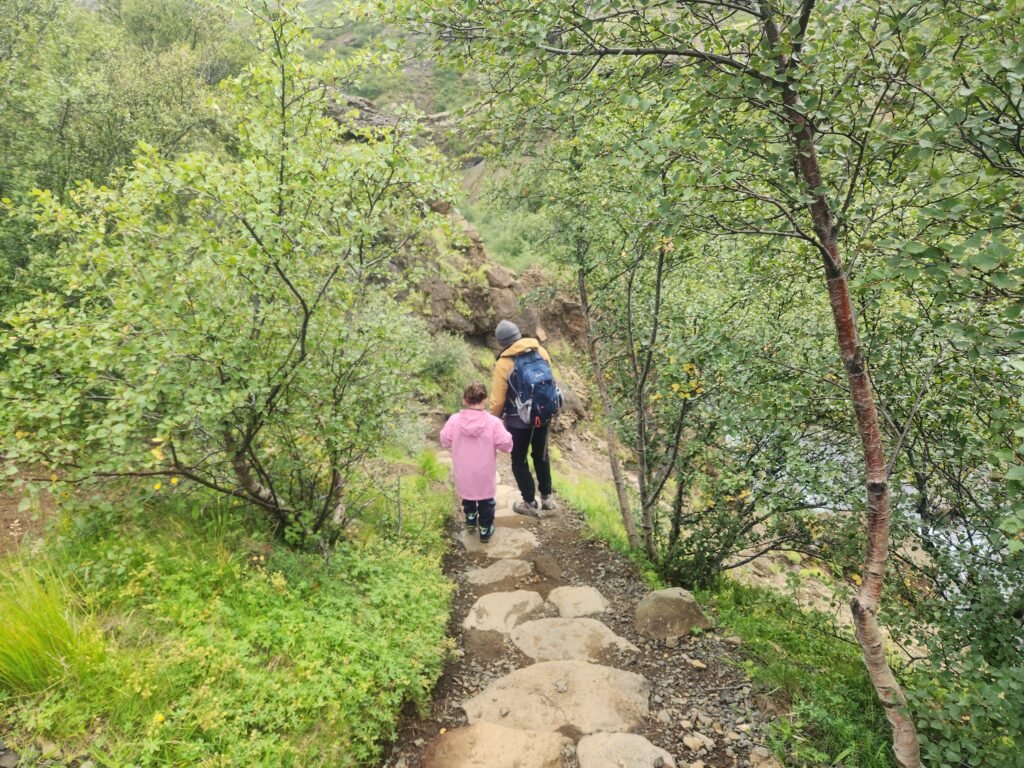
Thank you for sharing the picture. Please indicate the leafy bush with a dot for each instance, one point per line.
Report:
(445, 370)
(235, 327)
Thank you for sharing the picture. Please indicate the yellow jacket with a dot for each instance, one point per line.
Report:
(503, 367)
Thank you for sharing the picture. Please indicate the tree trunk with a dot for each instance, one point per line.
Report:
(864, 606)
(611, 439)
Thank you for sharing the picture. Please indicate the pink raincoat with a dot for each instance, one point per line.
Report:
(475, 437)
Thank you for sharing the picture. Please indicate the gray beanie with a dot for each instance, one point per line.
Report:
(507, 333)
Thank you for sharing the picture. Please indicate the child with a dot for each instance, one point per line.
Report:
(475, 437)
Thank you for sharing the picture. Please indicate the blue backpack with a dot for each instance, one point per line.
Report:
(532, 394)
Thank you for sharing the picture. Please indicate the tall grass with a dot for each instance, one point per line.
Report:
(41, 638)
(597, 503)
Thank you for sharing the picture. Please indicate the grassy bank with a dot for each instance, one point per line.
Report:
(172, 635)
(830, 713)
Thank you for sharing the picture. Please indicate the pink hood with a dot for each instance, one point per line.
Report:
(475, 437)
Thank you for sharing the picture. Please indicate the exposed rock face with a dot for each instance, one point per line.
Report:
(555, 639)
(501, 611)
(620, 750)
(486, 745)
(555, 694)
(499, 277)
(577, 601)
(669, 613)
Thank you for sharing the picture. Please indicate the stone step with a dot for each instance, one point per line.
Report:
(506, 543)
(552, 695)
(504, 499)
(502, 611)
(558, 639)
(499, 571)
(578, 601)
(621, 750)
(486, 745)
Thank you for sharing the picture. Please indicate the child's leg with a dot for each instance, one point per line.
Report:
(486, 513)
(469, 509)
(486, 520)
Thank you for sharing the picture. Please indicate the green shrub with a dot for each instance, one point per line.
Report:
(224, 649)
(445, 370)
(42, 636)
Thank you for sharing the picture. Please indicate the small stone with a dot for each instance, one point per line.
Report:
(561, 686)
(419, 743)
(693, 743)
(49, 750)
(8, 759)
(664, 716)
(697, 664)
(504, 711)
(671, 642)
(734, 640)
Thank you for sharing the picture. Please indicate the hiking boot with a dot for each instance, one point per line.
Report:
(486, 531)
(470, 522)
(548, 502)
(530, 508)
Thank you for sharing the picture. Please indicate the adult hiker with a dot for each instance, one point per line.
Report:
(524, 394)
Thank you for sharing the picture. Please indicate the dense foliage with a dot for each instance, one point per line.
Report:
(207, 368)
(228, 318)
(701, 164)
(218, 648)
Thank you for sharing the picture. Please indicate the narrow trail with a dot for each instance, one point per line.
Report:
(551, 670)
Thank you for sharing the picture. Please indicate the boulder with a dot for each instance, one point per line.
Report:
(669, 613)
(553, 695)
(499, 277)
(503, 302)
(501, 611)
(554, 639)
(620, 750)
(487, 745)
(578, 601)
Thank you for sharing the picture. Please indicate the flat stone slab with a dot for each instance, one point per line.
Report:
(486, 745)
(506, 543)
(506, 496)
(501, 611)
(554, 694)
(499, 571)
(556, 639)
(620, 750)
(669, 613)
(578, 601)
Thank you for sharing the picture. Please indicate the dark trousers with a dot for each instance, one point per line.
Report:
(534, 440)
(483, 509)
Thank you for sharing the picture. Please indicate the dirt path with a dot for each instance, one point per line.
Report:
(551, 672)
